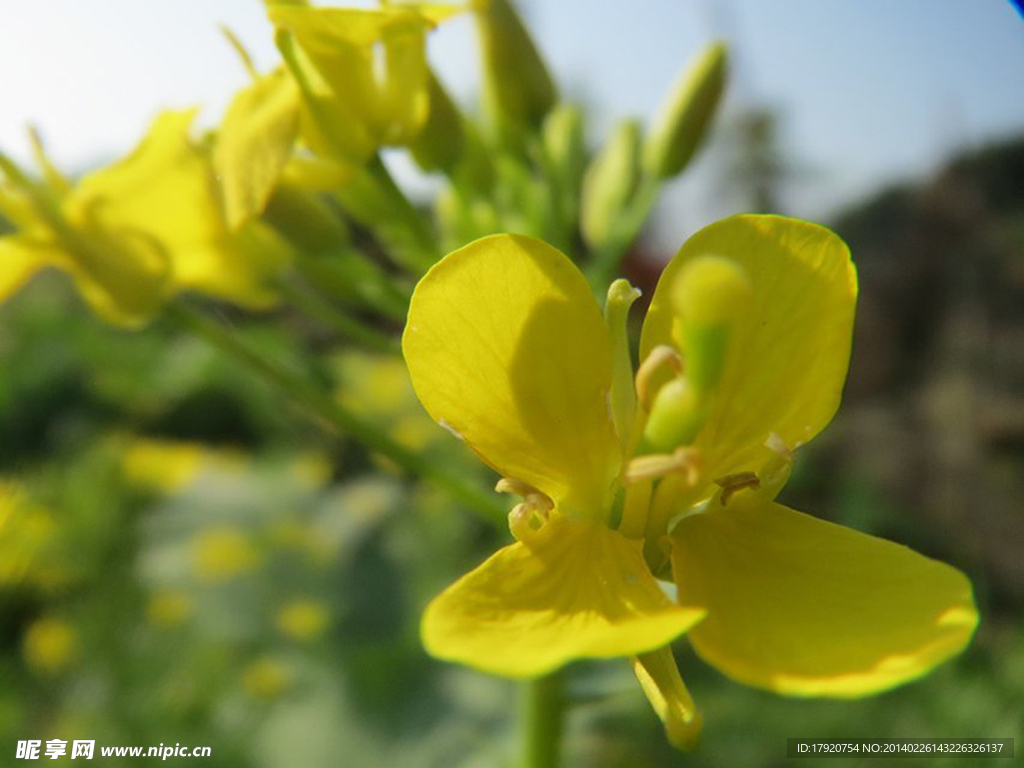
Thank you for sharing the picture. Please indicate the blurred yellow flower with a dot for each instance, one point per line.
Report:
(28, 541)
(312, 468)
(137, 232)
(376, 384)
(170, 465)
(355, 101)
(168, 609)
(303, 619)
(223, 553)
(267, 678)
(49, 645)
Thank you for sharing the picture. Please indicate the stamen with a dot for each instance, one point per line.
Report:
(535, 507)
(738, 481)
(682, 460)
(659, 357)
(518, 487)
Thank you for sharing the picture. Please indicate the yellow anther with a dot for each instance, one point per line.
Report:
(517, 487)
(680, 461)
(662, 356)
(521, 519)
(535, 506)
(737, 481)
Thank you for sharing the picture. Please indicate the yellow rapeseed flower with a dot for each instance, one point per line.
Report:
(49, 645)
(266, 678)
(361, 74)
(303, 619)
(136, 232)
(749, 334)
(223, 553)
(170, 466)
(168, 609)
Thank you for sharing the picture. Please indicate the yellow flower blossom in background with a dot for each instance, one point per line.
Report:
(49, 645)
(379, 386)
(743, 356)
(29, 553)
(135, 233)
(168, 609)
(362, 73)
(312, 468)
(170, 466)
(221, 553)
(267, 678)
(303, 619)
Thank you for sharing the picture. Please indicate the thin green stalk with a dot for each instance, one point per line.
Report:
(352, 277)
(374, 200)
(542, 713)
(348, 327)
(608, 258)
(323, 405)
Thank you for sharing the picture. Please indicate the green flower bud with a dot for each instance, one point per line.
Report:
(564, 142)
(686, 115)
(305, 220)
(609, 183)
(438, 146)
(518, 90)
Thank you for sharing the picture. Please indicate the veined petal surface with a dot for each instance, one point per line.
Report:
(507, 347)
(789, 350)
(572, 590)
(805, 607)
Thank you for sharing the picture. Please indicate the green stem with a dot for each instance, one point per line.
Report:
(374, 200)
(626, 229)
(321, 404)
(542, 713)
(346, 326)
(351, 277)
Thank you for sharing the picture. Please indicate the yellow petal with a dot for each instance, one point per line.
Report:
(240, 267)
(122, 276)
(507, 348)
(809, 608)
(20, 259)
(664, 688)
(572, 590)
(404, 96)
(254, 142)
(165, 188)
(343, 87)
(790, 348)
(163, 197)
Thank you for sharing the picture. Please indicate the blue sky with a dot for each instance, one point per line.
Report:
(871, 90)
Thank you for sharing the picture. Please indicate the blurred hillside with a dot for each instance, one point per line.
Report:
(933, 416)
